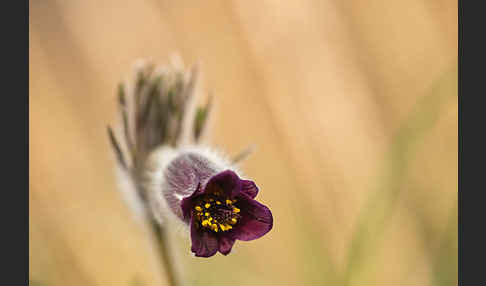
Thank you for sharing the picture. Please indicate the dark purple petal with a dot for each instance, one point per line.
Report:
(187, 203)
(256, 220)
(253, 218)
(204, 244)
(226, 182)
(249, 188)
(225, 244)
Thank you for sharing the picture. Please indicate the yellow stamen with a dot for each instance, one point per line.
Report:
(198, 208)
(207, 205)
(206, 214)
(229, 202)
(222, 227)
(236, 210)
(218, 202)
(215, 227)
(228, 227)
(204, 222)
(233, 220)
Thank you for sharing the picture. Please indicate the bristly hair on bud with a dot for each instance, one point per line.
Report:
(175, 177)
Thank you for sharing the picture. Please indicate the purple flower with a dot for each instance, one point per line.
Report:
(223, 211)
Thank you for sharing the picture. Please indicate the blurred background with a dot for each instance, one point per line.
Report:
(352, 107)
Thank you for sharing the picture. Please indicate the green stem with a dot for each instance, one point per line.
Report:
(163, 246)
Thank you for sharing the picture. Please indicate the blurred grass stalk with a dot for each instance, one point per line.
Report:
(381, 204)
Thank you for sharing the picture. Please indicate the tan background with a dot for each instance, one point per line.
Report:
(352, 106)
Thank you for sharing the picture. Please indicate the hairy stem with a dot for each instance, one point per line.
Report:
(165, 257)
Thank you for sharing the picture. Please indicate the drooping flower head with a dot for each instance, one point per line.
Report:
(176, 178)
(205, 192)
(223, 211)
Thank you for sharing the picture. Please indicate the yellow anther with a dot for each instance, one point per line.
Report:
(214, 227)
(222, 227)
(228, 227)
(198, 208)
(206, 214)
(204, 222)
(207, 205)
(229, 202)
(236, 210)
(210, 219)
(233, 220)
(218, 202)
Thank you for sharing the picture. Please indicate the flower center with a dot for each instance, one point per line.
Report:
(216, 214)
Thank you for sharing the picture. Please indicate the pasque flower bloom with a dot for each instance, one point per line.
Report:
(219, 206)
(176, 178)
(224, 211)
(201, 189)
